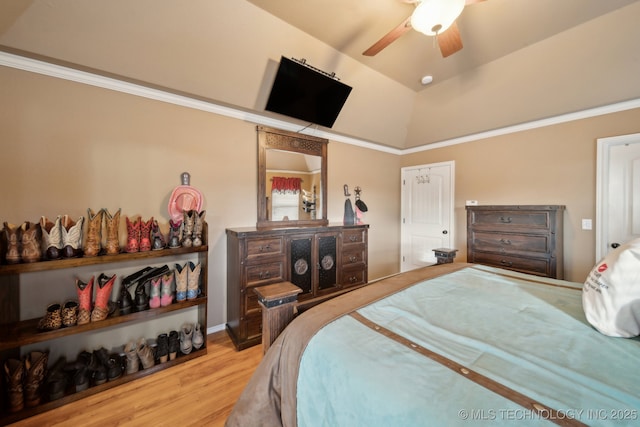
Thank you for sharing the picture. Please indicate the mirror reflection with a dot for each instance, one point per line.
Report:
(292, 179)
(293, 186)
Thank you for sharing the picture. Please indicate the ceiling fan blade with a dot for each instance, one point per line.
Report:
(450, 41)
(389, 38)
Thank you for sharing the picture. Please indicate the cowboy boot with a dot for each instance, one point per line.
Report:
(12, 236)
(145, 235)
(52, 237)
(197, 228)
(133, 362)
(198, 338)
(154, 292)
(133, 235)
(186, 334)
(112, 224)
(181, 273)
(57, 380)
(174, 233)
(145, 353)
(85, 293)
(174, 344)
(188, 225)
(94, 233)
(157, 238)
(31, 238)
(70, 313)
(193, 280)
(52, 319)
(103, 296)
(163, 347)
(35, 365)
(71, 236)
(166, 291)
(14, 374)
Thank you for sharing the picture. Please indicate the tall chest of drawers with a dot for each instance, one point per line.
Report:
(322, 261)
(525, 238)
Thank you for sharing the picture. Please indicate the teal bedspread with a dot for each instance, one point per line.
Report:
(468, 348)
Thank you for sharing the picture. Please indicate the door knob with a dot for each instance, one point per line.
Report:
(445, 232)
(615, 245)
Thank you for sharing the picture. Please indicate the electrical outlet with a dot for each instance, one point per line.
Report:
(587, 224)
(471, 203)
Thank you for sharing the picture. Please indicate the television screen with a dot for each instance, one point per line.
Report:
(303, 93)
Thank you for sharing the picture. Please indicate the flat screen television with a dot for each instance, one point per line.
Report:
(303, 93)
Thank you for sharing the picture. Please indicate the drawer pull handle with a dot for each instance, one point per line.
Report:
(353, 238)
(505, 241)
(264, 275)
(507, 263)
(506, 220)
(353, 258)
(353, 279)
(265, 248)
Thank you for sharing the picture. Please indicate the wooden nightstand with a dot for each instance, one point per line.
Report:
(445, 255)
(277, 302)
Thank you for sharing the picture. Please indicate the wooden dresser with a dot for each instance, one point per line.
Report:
(522, 238)
(322, 261)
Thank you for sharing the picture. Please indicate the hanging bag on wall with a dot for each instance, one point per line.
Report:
(611, 293)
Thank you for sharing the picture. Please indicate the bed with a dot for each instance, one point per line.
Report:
(452, 344)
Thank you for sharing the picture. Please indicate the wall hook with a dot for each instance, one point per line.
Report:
(346, 191)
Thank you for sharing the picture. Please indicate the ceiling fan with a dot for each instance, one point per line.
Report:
(431, 17)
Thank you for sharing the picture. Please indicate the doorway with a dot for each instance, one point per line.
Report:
(426, 212)
(617, 192)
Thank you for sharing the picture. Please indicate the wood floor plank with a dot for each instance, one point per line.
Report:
(201, 391)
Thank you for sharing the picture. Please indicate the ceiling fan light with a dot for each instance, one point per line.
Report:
(433, 17)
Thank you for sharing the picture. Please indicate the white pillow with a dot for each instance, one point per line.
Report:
(611, 293)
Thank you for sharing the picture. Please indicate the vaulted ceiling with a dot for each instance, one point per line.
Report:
(522, 61)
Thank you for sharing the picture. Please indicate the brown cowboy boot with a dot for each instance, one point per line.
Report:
(103, 296)
(197, 228)
(51, 237)
(112, 223)
(71, 236)
(35, 365)
(188, 224)
(31, 242)
(193, 280)
(94, 233)
(14, 374)
(12, 237)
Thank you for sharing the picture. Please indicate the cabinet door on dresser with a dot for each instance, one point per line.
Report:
(523, 238)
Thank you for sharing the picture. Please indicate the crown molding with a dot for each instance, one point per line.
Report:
(33, 65)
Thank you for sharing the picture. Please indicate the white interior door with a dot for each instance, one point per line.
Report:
(619, 192)
(427, 213)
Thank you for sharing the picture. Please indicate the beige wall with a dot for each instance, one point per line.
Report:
(66, 147)
(550, 165)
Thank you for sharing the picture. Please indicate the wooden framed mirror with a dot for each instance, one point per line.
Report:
(292, 179)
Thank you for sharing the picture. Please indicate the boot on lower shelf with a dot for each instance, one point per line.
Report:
(14, 375)
(85, 294)
(35, 365)
(103, 298)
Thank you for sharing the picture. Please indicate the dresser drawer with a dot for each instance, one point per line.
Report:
(510, 243)
(263, 274)
(353, 236)
(509, 220)
(353, 276)
(537, 266)
(353, 256)
(263, 247)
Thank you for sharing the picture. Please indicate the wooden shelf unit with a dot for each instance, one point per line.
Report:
(16, 333)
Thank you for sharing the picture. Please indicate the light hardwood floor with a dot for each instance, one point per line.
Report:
(200, 392)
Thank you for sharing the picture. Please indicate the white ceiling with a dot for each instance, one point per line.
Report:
(489, 30)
